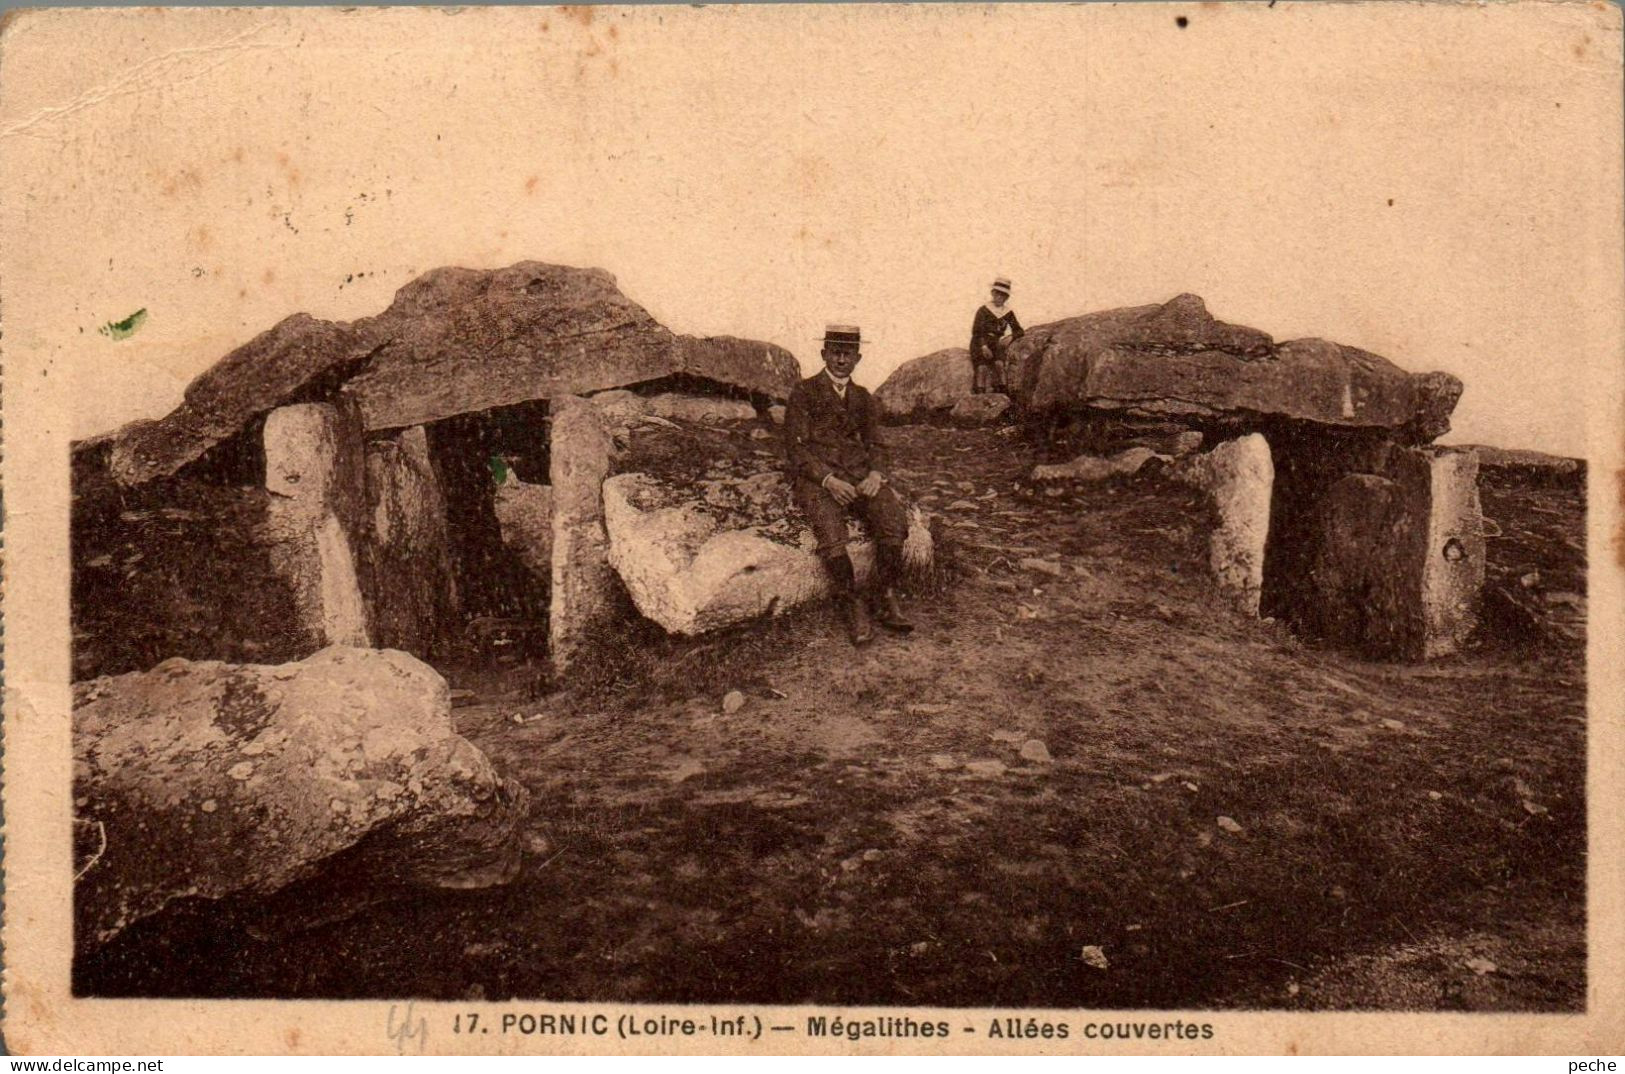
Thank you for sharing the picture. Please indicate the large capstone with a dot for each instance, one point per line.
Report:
(298, 360)
(454, 341)
(211, 780)
(459, 340)
(1175, 360)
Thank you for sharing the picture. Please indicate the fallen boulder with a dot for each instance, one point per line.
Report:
(929, 385)
(208, 780)
(984, 409)
(1180, 443)
(690, 575)
(675, 406)
(1096, 468)
(1177, 360)
(620, 405)
(1103, 434)
(704, 536)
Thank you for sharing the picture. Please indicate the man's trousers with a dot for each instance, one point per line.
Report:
(883, 513)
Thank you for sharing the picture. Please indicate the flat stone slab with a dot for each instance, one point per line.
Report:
(986, 408)
(1177, 360)
(453, 341)
(461, 340)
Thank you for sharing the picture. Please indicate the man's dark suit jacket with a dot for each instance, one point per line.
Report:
(825, 434)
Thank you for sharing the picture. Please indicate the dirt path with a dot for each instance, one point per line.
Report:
(880, 827)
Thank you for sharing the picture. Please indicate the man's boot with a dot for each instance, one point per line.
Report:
(859, 627)
(889, 571)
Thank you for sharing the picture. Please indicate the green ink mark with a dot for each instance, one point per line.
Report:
(499, 469)
(126, 328)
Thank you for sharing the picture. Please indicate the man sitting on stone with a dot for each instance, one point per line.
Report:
(993, 330)
(837, 467)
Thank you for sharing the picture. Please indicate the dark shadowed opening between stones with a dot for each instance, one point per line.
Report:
(1308, 460)
(238, 461)
(178, 566)
(687, 384)
(472, 454)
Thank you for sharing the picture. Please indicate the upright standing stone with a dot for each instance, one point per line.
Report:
(525, 515)
(1398, 559)
(1238, 475)
(315, 472)
(586, 596)
(413, 596)
(1453, 566)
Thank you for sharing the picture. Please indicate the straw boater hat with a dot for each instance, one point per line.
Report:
(843, 335)
(1002, 285)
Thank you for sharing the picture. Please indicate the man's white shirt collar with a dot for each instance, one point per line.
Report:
(839, 382)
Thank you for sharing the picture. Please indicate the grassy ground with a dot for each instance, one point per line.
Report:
(866, 828)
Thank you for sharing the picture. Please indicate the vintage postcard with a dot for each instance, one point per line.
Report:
(808, 529)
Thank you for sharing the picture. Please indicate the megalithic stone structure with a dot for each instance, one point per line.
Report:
(1238, 476)
(1454, 556)
(586, 594)
(315, 469)
(1398, 556)
(413, 594)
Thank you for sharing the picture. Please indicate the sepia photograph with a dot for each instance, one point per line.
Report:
(804, 527)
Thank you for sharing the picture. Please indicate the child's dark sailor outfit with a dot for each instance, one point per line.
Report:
(988, 345)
